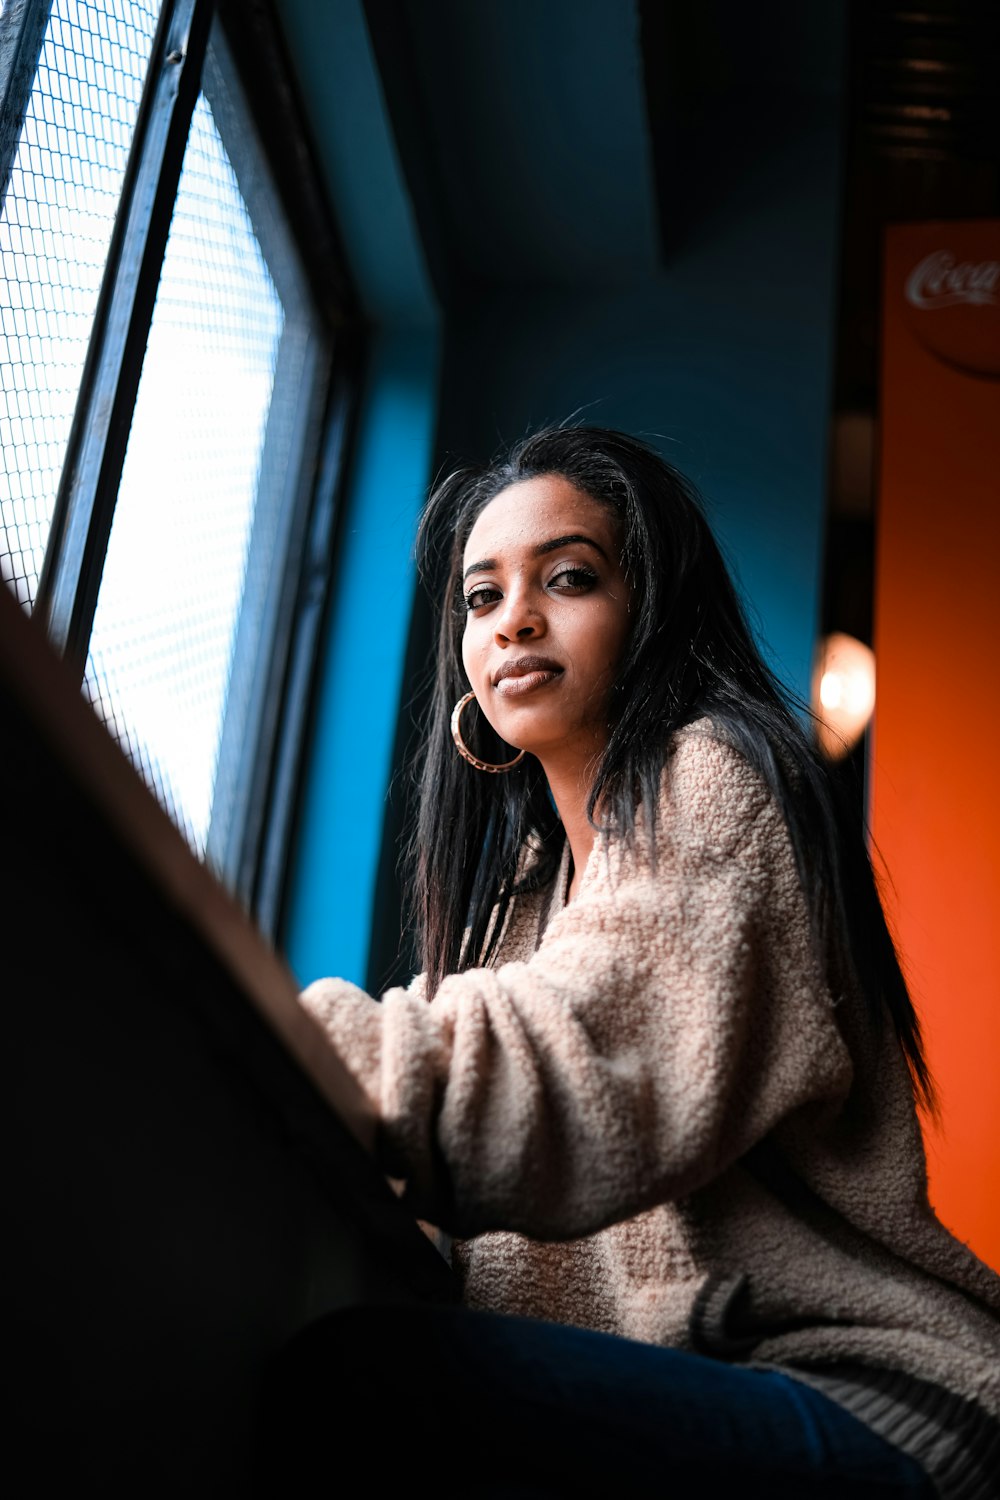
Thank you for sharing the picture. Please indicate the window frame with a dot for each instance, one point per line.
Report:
(239, 41)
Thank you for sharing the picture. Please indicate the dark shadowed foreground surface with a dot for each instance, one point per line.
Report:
(181, 1196)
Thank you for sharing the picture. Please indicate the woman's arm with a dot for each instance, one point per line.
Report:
(667, 1022)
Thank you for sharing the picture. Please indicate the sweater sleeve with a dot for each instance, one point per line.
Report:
(671, 1016)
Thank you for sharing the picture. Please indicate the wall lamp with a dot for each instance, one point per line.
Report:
(843, 693)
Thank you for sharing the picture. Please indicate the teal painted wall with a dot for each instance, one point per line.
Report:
(360, 682)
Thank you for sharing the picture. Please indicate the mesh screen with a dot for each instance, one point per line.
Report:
(54, 235)
(169, 608)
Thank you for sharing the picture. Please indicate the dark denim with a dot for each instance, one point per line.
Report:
(477, 1404)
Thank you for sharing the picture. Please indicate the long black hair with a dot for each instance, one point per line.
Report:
(690, 655)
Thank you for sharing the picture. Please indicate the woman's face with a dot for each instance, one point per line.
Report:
(548, 616)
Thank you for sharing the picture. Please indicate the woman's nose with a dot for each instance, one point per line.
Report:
(519, 620)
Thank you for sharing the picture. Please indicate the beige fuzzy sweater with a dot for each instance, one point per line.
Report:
(651, 1116)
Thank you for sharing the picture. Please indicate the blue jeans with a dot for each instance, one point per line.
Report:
(485, 1405)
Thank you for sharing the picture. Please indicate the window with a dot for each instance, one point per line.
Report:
(171, 391)
(60, 192)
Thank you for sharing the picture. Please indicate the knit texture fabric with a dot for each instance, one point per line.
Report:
(650, 1115)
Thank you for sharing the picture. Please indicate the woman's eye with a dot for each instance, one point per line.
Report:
(574, 580)
(476, 598)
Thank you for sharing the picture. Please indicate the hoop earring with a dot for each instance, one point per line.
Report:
(466, 753)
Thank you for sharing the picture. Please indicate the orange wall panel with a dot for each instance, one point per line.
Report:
(936, 752)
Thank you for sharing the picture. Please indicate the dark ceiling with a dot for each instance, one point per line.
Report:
(582, 143)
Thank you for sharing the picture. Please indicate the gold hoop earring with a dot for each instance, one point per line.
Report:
(466, 753)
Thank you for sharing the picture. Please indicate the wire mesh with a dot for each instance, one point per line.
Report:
(55, 230)
(169, 608)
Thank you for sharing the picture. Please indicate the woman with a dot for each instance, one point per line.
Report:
(659, 1074)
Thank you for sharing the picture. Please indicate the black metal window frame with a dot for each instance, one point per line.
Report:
(232, 50)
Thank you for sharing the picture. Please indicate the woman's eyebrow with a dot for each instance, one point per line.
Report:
(556, 542)
(564, 541)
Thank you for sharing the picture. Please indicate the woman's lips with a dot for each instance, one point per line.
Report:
(525, 674)
(515, 683)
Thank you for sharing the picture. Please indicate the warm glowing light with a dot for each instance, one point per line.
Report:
(831, 690)
(843, 693)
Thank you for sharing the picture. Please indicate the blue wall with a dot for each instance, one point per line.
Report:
(361, 677)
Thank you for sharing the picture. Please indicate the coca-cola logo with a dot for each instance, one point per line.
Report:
(953, 307)
(940, 280)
